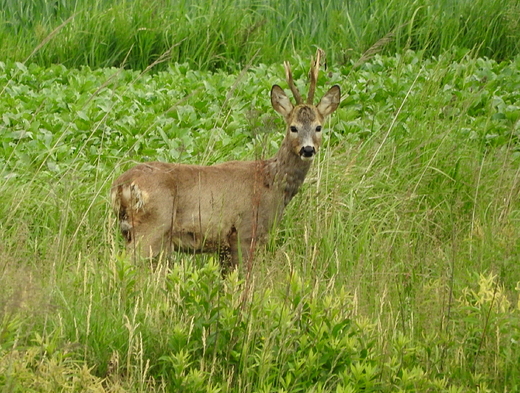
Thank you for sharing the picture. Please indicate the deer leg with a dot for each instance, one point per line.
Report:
(225, 258)
(147, 245)
(240, 250)
(229, 254)
(234, 252)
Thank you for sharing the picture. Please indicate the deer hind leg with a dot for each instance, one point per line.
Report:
(148, 244)
(145, 232)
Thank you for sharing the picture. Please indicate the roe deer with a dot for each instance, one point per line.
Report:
(229, 207)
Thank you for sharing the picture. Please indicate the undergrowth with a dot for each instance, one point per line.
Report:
(394, 269)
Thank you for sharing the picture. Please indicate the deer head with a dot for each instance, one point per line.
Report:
(305, 120)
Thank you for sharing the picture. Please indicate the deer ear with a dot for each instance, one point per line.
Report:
(330, 101)
(280, 101)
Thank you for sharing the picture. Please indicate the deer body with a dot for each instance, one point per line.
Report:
(226, 208)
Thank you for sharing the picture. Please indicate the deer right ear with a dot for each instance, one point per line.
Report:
(280, 101)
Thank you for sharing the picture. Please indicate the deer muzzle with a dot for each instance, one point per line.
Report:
(307, 152)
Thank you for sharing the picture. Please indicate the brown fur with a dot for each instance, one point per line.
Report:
(226, 208)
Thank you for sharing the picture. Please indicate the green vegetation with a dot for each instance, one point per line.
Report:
(395, 268)
(228, 34)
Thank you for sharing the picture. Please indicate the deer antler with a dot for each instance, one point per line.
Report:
(294, 89)
(313, 73)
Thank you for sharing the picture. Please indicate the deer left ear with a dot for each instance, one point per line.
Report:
(280, 101)
(330, 101)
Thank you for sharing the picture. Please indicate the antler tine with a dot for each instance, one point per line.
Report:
(315, 69)
(294, 89)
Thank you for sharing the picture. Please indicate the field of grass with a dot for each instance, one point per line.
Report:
(228, 34)
(396, 268)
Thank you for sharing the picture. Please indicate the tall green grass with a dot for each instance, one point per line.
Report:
(228, 34)
(394, 269)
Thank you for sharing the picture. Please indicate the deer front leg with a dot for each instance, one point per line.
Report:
(239, 250)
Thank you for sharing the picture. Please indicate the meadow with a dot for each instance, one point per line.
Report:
(229, 34)
(396, 267)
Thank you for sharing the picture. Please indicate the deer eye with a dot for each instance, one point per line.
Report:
(318, 128)
(294, 129)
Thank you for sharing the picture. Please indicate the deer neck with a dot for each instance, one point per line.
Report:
(287, 171)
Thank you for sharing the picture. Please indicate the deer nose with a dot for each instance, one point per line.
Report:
(307, 151)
